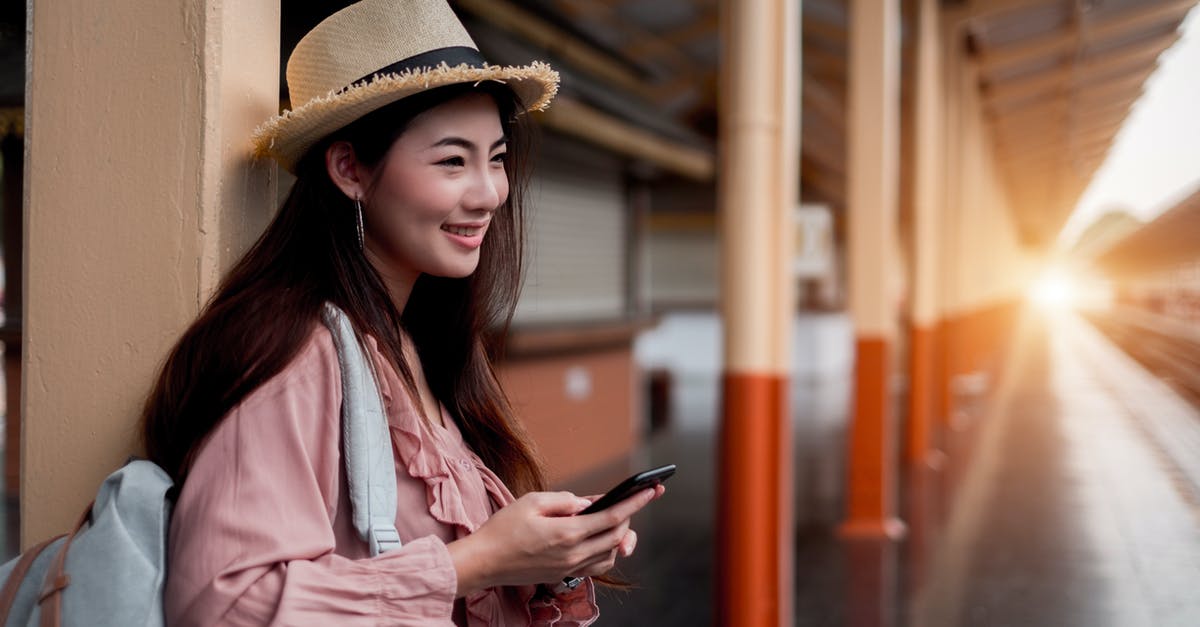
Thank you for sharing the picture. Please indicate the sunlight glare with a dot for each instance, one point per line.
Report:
(1054, 289)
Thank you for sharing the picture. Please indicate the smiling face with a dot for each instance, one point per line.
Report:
(436, 190)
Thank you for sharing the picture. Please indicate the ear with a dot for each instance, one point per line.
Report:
(345, 170)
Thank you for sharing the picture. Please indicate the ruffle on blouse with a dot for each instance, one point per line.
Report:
(423, 461)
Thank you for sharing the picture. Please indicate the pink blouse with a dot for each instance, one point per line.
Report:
(262, 531)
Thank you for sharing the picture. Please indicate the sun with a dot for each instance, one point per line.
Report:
(1054, 290)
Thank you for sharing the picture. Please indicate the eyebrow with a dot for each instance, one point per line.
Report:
(466, 143)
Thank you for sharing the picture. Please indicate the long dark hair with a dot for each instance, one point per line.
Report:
(268, 305)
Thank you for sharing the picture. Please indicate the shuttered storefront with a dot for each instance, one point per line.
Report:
(576, 251)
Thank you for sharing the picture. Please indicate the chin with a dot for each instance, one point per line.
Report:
(456, 271)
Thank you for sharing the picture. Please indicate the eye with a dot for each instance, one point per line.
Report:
(501, 157)
(455, 161)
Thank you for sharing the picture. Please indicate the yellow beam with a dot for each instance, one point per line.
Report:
(571, 117)
(702, 26)
(654, 45)
(823, 101)
(513, 19)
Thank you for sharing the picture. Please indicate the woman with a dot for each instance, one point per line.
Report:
(406, 214)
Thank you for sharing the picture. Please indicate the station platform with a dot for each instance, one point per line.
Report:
(1069, 496)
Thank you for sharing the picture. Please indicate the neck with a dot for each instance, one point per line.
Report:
(398, 281)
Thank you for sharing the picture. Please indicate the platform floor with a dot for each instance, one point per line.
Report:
(1071, 497)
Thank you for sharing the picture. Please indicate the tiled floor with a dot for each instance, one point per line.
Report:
(1069, 500)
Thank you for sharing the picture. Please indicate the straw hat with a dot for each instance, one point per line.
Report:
(373, 53)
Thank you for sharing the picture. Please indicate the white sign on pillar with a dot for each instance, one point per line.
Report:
(814, 242)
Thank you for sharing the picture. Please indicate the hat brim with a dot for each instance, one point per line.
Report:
(288, 136)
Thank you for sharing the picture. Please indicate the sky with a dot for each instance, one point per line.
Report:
(1155, 161)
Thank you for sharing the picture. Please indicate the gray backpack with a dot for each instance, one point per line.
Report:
(110, 570)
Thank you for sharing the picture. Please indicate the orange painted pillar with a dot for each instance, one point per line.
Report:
(757, 189)
(872, 198)
(919, 447)
(949, 363)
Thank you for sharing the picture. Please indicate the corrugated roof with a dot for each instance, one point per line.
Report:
(1058, 78)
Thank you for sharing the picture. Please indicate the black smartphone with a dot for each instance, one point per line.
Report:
(631, 486)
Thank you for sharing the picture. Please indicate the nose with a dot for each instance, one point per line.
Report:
(488, 190)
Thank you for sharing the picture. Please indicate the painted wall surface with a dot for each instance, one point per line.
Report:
(582, 410)
(137, 195)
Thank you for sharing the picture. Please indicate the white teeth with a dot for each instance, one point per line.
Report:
(458, 230)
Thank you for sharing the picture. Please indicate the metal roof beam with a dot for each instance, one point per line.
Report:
(702, 26)
(1000, 59)
(1126, 63)
(571, 117)
(1058, 127)
(1060, 107)
(1090, 93)
(516, 20)
(1060, 148)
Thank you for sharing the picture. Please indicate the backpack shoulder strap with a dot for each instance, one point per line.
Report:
(8, 595)
(366, 441)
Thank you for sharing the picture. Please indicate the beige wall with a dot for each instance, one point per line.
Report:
(136, 198)
(582, 409)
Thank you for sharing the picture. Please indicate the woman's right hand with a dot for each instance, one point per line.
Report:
(537, 539)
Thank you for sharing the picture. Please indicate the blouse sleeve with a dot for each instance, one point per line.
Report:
(252, 536)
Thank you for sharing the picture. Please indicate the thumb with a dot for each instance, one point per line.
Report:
(560, 504)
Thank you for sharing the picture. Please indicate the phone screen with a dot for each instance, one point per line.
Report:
(631, 486)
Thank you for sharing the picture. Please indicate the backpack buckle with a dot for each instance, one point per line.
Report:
(382, 538)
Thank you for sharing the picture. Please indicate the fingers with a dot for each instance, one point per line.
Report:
(605, 561)
(598, 565)
(615, 515)
(601, 546)
(628, 543)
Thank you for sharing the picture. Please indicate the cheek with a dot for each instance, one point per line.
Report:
(413, 199)
(501, 183)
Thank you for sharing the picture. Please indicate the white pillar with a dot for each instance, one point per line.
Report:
(928, 176)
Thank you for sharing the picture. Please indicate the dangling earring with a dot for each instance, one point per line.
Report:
(358, 213)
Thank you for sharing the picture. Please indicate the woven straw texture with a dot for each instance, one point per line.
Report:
(361, 39)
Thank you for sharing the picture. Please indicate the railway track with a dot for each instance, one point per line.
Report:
(1162, 348)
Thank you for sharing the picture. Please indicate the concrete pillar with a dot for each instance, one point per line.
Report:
(872, 194)
(953, 199)
(926, 215)
(138, 194)
(968, 241)
(757, 186)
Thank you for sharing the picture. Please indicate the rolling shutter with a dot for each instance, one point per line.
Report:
(577, 224)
